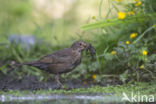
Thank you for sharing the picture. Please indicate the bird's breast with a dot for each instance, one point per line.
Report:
(76, 59)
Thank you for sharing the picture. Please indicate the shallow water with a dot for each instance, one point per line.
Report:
(62, 99)
(57, 99)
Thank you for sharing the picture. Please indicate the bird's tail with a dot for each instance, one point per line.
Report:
(27, 63)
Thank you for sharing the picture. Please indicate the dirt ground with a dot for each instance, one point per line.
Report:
(32, 83)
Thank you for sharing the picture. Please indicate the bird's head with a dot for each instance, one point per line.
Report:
(79, 45)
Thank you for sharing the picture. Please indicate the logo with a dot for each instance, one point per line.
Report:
(137, 97)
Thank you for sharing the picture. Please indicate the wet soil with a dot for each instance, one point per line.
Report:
(8, 82)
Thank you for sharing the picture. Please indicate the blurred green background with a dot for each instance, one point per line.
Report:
(54, 21)
(106, 24)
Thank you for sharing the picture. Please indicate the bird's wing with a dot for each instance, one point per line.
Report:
(62, 56)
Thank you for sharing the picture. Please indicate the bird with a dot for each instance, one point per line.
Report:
(61, 61)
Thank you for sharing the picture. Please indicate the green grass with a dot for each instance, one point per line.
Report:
(143, 88)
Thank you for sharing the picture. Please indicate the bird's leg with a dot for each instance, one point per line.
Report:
(58, 81)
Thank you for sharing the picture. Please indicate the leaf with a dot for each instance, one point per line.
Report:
(116, 21)
(124, 76)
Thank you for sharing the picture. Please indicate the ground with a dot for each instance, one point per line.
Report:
(30, 85)
(10, 82)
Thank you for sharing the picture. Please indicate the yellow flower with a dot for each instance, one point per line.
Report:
(93, 17)
(121, 15)
(142, 67)
(144, 52)
(113, 53)
(84, 82)
(127, 42)
(134, 42)
(131, 13)
(118, 0)
(94, 76)
(154, 26)
(138, 3)
(133, 35)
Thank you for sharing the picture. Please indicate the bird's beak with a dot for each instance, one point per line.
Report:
(84, 46)
(87, 46)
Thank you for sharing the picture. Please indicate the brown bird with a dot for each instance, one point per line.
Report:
(61, 61)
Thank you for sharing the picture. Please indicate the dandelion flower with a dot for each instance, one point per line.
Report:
(93, 17)
(142, 67)
(144, 52)
(84, 82)
(94, 76)
(118, 0)
(134, 42)
(133, 35)
(154, 25)
(138, 3)
(127, 42)
(131, 13)
(121, 15)
(113, 53)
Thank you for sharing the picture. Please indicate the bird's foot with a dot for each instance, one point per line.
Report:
(58, 82)
(60, 85)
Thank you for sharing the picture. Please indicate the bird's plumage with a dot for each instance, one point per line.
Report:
(61, 61)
